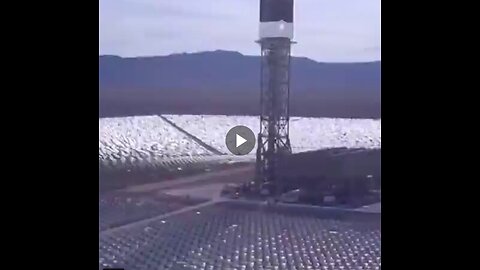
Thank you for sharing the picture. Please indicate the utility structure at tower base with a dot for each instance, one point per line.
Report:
(276, 34)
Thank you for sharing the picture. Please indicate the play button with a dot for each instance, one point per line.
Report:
(240, 140)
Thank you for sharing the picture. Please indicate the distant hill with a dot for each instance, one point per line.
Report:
(223, 82)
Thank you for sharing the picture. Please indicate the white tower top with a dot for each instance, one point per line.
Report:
(276, 19)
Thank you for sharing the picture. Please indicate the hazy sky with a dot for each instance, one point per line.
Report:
(326, 30)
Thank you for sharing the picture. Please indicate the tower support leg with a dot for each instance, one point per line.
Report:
(273, 138)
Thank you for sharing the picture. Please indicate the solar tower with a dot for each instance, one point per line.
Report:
(276, 34)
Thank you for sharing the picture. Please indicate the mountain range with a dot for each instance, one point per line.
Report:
(225, 82)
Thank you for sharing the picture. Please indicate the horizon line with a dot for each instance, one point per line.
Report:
(236, 52)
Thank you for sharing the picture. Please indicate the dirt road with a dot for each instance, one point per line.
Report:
(234, 175)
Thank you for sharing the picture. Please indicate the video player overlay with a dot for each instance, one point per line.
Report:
(187, 192)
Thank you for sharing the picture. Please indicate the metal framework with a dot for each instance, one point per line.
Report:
(273, 138)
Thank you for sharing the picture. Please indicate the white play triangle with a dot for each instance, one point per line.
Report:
(239, 140)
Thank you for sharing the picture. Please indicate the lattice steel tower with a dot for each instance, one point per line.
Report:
(276, 34)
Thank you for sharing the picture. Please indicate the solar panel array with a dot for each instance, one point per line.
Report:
(224, 236)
